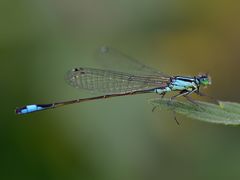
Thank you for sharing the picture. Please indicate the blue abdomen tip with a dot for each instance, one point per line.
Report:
(29, 109)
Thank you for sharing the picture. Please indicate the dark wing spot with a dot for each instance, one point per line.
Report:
(80, 70)
(75, 70)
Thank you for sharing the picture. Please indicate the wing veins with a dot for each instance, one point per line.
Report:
(116, 60)
(112, 81)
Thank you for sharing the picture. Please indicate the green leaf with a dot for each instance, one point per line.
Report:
(227, 113)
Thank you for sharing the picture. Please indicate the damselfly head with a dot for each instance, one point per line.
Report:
(204, 79)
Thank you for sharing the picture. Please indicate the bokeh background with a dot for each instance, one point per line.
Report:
(117, 138)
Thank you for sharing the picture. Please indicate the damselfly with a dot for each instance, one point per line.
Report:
(113, 83)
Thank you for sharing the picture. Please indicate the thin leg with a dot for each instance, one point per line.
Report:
(162, 96)
(205, 95)
(202, 94)
(175, 118)
(185, 94)
(190, 99)
(182, 93)
(173, 97)
(154, 108)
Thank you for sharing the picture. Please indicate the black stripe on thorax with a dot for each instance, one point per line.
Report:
(187, 79)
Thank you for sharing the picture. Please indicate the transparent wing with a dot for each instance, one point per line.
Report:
(107, 81)
(113, 59)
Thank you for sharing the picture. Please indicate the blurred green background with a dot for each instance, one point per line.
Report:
(117, 138)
